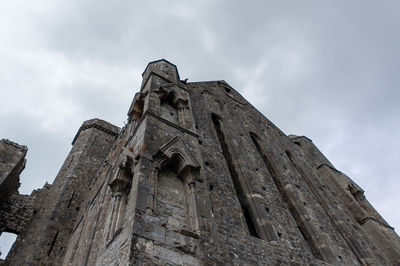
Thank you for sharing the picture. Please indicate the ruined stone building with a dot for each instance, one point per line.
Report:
(197, 176)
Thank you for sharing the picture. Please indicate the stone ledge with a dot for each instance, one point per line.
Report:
(330, 167)
(294, 137)
(366, 219)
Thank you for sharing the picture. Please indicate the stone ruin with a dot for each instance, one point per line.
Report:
(197, 176)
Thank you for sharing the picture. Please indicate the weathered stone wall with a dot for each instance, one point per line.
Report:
(15, 209)
(16, 212)
(198, 177)
(351, 198)
(44, 240)
(212, 181)
(12, 162)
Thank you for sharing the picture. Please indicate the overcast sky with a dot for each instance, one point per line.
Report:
(328, 70)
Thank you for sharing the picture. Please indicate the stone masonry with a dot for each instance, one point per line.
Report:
(197, 176)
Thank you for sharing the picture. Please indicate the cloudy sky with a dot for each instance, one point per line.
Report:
(325, 69)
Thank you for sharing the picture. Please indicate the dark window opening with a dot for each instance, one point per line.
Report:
(71, 161)
(235, 179)
(302, 232)
(249, 222)
(52, 244)
(167, 98)
(70, 200)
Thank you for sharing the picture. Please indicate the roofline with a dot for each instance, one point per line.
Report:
(159, 60)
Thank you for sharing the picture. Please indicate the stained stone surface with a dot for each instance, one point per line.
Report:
(196, 177)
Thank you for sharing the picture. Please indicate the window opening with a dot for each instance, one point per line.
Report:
(53, 243)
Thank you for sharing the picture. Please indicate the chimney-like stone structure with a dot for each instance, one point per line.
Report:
(197, 176)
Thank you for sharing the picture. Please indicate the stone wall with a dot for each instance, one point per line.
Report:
(43, 242)
(12, 162)
(198, 177)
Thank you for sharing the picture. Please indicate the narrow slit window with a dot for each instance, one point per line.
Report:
(235, 179)
(52, 244)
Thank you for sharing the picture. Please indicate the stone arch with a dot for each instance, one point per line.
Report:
(175, 183)
(176, 149)
(176, 97)
(173, 103)
(167, 97)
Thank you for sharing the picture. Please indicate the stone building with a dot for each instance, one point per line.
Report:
(197, 176)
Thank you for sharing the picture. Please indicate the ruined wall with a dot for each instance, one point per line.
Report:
(211, 180)
(12, 162)
(199, 177)
(251, 178)
(43, 240)
(353, 201)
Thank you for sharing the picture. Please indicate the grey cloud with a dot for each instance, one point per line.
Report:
(328, 70)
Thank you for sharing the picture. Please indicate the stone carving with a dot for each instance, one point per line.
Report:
(119, 187)
(182, 168)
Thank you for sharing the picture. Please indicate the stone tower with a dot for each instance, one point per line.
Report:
(197, 177)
